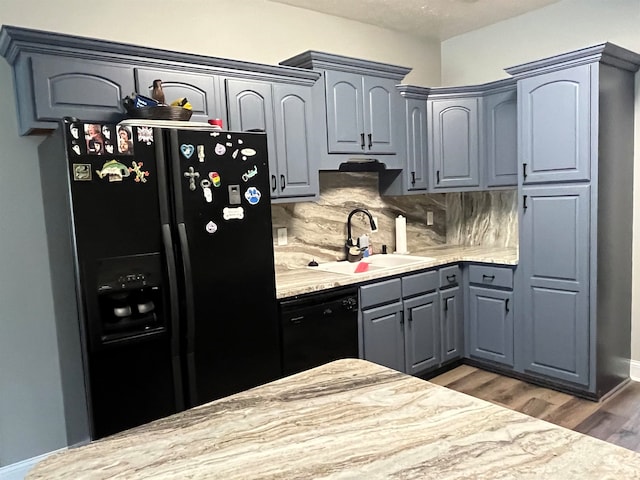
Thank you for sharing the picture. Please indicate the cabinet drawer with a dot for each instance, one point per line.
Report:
(491, 276)
(419, 283)
(380, 293)
(450, 276)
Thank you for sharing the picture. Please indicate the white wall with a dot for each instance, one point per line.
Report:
(31, 409)
(481, 56)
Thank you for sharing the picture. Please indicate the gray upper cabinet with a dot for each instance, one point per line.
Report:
(575, 117)
(199, 89)
(57, 75)
(78, 87)
(454, 143)
(555, 120)
(500, 134)
(362, 111)
(416, 167)
(284, 113)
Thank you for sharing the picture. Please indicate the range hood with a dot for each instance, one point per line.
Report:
(362, 165)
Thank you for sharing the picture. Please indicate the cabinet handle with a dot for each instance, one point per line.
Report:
(524, 202)
(362, 140)
(413, 178)
(370, 141)
(506, 305)
(437, 176)
(451, 278)
(446, 303)
(490, 277)
(524, 171)
(274, 185)
(282, 182)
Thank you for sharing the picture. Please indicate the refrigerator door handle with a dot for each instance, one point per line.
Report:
(190, 310)
(174, 312)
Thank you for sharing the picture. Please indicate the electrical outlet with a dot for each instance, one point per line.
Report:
(282, 236)
(429, 217)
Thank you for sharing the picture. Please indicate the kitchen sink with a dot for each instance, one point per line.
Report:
(374, 263)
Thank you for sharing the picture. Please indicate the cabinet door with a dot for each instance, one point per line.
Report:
(416, 169)
(556, 125)
(455, 144)
(298, 175)
(71, 87)
(500, 119)
(554, 258)
(422, 333)
(198, 89)
(383, 336)
(250, 107)
(491, 325)
(345, 122)
(381, 102)
(451, 324)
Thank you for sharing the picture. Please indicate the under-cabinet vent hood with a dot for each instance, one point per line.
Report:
(362, 165)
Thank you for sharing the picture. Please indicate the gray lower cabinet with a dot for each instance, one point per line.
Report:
(422, 333)
(451, 324)
(384, 336)
(200, 89)
(555, 261)
(491, 325)
(284, 113)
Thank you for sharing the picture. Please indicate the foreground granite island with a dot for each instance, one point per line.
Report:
(349, 419)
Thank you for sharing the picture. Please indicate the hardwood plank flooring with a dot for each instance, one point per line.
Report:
(615, 420)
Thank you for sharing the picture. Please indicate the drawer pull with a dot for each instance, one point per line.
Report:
(491, 278)
(524, 170)
(451, 278)
(437, 176)
(506, 305)
(413, 178)
(370, 141)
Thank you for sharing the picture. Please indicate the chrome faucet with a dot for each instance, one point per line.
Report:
(350, 242)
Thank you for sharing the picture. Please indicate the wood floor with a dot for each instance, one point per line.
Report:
(615, 420)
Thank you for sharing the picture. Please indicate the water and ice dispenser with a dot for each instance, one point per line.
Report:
(130, 299)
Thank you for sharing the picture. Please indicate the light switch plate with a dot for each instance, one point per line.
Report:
(282, 236)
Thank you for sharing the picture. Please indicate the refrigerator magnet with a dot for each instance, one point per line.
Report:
(200, 150)
(233, 213)
(114, 170)
(234, 194)
(215, 178)
(76, 149)
(235, 153)
(81, 172)
(250, 174)
(140, 175)
(192, 175)
(206, 189)
(74, 130)
(220, 149)
(211, 227)
(187, 150)
(252, 195)
(108, 147)
(145, 135)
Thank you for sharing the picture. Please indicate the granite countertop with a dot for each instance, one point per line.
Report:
(346, 419)
(306, 280)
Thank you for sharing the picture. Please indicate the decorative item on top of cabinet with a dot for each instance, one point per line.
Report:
(575, 116)
(362, 112)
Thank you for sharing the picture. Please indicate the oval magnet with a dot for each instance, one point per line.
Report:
(211, 227)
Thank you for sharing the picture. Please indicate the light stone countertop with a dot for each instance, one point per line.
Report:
(349, 419)
(307, 280)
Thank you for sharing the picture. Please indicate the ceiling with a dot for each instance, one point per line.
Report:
(433, 19)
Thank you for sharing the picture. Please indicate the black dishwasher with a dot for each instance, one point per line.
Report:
(319, 328)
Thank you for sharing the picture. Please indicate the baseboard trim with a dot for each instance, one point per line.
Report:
(634, 370)
(19, 470)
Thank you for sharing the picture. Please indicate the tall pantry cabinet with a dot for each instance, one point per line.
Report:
(575, 185)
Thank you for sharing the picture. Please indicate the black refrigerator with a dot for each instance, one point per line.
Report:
(161, 253)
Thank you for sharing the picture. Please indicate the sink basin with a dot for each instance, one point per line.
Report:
(375, 263)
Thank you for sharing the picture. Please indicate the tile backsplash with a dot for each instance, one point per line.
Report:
(318, 230)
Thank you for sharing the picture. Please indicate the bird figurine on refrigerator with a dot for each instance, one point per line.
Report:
(157, 93)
